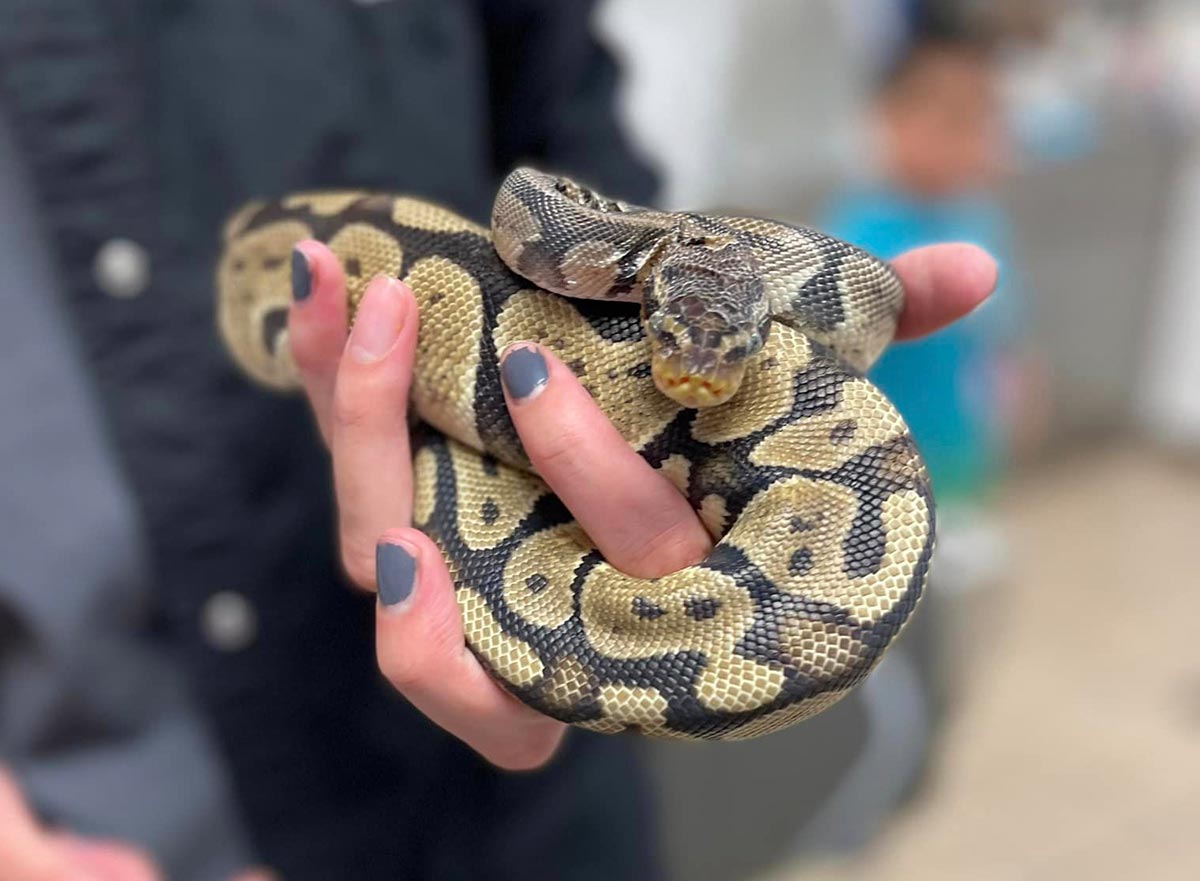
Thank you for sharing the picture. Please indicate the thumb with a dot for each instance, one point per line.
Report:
(422, 650)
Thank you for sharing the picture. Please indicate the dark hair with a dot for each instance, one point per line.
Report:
(943, 38)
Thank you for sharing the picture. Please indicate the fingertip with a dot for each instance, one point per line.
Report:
(410, 313)
(423, 548)
(317, 318)
(386, 286)
(412, 538)
(942, 284)
(302, 275)
(381, 320)
(533, 751)
(972, 270)
(419, 625)
(316, 273)
(423, 653)
(408, 564)
(524, 371)
(397, 561)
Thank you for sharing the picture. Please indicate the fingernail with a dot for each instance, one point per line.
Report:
(524, 372)
(301, 276)
(395, 572)
(380, 317)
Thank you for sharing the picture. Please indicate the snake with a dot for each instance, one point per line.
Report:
(730, 352)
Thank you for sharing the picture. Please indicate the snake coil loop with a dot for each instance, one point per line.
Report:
(801, 469)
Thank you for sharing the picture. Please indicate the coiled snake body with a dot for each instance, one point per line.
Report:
(806, 476)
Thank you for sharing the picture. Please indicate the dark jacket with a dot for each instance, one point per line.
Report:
(149, 122)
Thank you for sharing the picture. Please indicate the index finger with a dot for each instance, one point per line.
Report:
(942, 283)
(317, 325)
(638, 519)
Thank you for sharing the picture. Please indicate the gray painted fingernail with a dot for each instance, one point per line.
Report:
(524, 372)
(395, 572)
(301, 276)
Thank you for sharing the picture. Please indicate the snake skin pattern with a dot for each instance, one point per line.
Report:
(808, 478)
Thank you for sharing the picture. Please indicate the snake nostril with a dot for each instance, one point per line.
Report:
(274, 322)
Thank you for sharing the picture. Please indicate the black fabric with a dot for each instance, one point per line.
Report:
(152, 121)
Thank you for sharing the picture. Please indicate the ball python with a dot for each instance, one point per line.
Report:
(728, 351)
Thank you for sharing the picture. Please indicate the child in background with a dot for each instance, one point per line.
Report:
(938, 120)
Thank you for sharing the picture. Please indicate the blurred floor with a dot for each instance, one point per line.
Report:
(1074, 749)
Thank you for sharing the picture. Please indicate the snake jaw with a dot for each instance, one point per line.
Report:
(695, 389)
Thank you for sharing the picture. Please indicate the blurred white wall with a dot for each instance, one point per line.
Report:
(1170, 396)
(741, 102)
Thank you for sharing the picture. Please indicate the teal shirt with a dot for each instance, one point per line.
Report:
(945, 385)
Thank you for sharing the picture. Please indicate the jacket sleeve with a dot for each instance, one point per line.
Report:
(93, 722)
(553, 96)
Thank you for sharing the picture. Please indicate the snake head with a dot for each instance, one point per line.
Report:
(706, 314)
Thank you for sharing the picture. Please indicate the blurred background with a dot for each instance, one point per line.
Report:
(1041, 717)
(1036, 723)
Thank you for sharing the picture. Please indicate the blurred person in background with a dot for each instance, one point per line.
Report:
(937, 121)
(182, 666)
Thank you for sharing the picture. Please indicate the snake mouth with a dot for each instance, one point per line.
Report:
(696, 389)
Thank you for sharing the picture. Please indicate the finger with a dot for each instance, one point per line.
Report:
(317, 324)
(638, 519)
(25, 850)
(942, 283)
(107, 860)
(422, 652)
(372, 465)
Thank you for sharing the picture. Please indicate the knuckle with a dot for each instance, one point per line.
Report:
(369, 396)
(351, 408)
(559, 452)
(675, 547)
(398, 667)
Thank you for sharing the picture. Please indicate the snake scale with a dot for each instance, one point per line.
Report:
(728, 351)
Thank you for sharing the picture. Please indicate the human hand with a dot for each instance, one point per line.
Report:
(30, 852)
(358, 389)
(942, 283)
